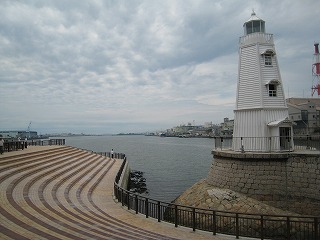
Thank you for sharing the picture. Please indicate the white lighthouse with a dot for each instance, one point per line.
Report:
(261, 116)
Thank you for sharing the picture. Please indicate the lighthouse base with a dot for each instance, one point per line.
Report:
(289, 181)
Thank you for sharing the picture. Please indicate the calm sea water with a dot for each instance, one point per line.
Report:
(170, 165)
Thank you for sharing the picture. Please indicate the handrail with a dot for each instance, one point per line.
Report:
(45, 142)
(224, 222)
(269, 144)
(15, 145)
(107, 154)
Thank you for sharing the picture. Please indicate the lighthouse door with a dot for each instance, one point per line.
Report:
(285, 138)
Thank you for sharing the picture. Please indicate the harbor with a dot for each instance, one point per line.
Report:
(105, 165)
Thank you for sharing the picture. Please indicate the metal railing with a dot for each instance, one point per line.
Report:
(268, 144)
(47, 142)
(107, 154)
(307, 142)
(15, 145)
(231, 223)
(256, 37)
(115, 155)
(225, 222)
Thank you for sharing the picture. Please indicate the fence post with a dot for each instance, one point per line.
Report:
(159, 212)
(214, 223)
(270, 143)
(194, 219)
(118, 195)
(261, 227)
(289, 143)
(288, 227)
(122, 198)
(175, 215)
(147, 208)
(136, 202)
(237, 225)
(128, 200)
(316, 228)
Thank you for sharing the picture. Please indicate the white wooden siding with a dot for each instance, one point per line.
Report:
(248, 123)
(254, 107)
(253, 76)
(249, 82)
(269, 73)
(252, 123)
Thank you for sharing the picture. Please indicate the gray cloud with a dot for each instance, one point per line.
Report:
(87, 65)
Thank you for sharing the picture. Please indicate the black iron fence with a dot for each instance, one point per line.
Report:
(307, 142)
(14, 145)
(113, 155)
(268, 144)
(9, 146)
(47, 142)
(108, 154)
(224, 222)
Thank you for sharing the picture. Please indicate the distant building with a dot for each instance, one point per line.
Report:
(19, 134)
(183, 129)
(305, 112)
(191, 130)
(227, 127)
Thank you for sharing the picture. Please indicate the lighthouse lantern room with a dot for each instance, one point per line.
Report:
(261, 120)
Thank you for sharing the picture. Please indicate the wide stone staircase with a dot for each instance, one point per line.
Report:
(60, 193)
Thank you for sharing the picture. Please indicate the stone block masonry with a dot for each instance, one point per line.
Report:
(290, 181)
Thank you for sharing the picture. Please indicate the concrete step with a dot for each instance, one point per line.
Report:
(66, 193)
(49, 195)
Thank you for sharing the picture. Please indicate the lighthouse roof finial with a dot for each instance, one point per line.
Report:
(254, 17)
(254, 24)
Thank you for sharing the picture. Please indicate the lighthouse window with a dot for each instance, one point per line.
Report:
(272, 90)
(267, 60)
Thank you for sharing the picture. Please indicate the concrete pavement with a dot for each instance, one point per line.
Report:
(60, 192)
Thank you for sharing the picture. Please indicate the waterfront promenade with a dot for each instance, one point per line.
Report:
(60, 192)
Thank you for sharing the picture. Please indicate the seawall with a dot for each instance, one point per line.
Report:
(124, 178)
(290, 181)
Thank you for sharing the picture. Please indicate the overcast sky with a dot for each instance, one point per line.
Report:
(132, 66)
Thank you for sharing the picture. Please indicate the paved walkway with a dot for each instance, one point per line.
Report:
(60, 192)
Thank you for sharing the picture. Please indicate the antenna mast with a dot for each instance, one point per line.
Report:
(316, 71)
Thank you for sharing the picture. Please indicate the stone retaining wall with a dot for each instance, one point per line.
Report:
(288, 181)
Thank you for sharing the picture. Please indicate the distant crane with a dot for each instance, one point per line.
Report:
(316, 71)
(28, 130)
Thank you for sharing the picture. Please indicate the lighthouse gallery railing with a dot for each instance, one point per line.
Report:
(256, 37)
(286, 143)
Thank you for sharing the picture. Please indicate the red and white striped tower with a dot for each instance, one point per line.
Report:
(316, 71)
